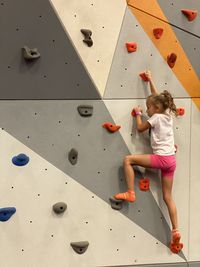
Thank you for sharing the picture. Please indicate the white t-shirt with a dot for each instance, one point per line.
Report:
(162, 136)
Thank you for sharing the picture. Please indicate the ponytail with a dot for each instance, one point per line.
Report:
(166, 100)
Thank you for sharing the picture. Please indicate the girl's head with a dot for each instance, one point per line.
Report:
(160, 103)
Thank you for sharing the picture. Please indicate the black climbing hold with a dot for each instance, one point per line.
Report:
(20, 160)
(87, 35)
(59, 207)
(73, 156)
(80, 247)
(85, 110)
(30, 53)
(6, 213)
(116, 204)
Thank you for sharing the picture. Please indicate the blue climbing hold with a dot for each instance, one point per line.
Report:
(6, 213)
(20, 160)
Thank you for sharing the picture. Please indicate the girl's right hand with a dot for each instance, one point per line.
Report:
(148, 74)
(138, 109)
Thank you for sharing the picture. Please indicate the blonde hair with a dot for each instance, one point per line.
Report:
(165, 100)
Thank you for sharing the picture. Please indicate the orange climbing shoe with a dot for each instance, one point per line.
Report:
(176, 248)
(128, 196)
(176, 236)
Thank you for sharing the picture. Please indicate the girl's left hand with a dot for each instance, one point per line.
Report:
(138, 109)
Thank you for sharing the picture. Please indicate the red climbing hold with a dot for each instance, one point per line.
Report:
(158, 32)
(180, 111)
(111, 127)
(133, 113)
(143, 76)
(190, 14)
(144, 184)
(131, 47)
(176, 248)
(171, 60)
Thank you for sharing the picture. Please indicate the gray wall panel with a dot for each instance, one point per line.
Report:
(58, 74)
(194, 264)
(156, 265)
(172, 10)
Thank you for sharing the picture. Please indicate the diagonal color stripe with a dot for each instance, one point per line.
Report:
(172, 10)
(168, 44)
(170, 23)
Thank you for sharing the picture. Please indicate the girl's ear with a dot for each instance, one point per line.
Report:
(158, 108)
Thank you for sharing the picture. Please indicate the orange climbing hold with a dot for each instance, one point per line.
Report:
(171, 60)
(111, 127)
(144, 184)
(131, 47)
(158, 32)
(180, 111)
(133, 113)
(144, 77)
(190, 14)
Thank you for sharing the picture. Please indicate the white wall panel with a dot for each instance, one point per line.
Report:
(104, 19)
(194, 199)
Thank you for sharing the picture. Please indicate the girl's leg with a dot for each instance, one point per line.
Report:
(140, 160)
(167, 183)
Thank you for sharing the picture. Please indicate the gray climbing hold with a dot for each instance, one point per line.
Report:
(73, 156)
(85, 110)
(30, 53)
(87, 35)
(59, 207)
(116, 204)
(80, 247)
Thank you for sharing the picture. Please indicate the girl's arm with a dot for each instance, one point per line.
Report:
(151, 83)
(141, 126)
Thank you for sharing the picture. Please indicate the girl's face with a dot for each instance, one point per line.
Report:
(151, 108)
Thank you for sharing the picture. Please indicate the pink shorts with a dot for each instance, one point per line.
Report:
(167, 164)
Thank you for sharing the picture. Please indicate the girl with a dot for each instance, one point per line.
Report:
(159, 109)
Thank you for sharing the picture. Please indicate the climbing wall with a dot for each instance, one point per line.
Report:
(39, 117)
(194, 185)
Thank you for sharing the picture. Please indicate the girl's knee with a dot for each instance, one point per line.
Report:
(127, 160)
